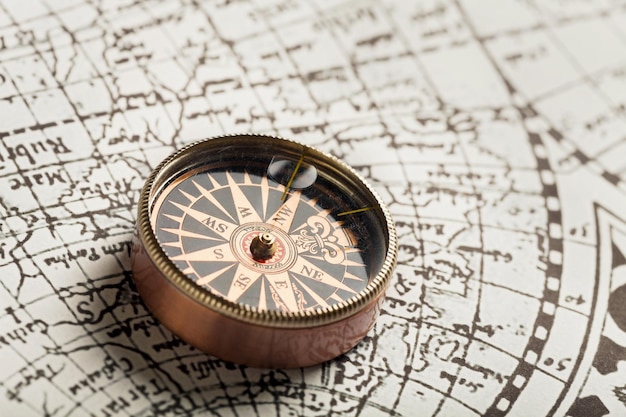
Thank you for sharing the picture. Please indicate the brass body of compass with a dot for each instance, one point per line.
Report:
(262, 251)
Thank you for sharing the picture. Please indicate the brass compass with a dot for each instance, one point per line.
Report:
(262, 251)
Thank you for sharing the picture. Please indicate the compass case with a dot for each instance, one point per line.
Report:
(311, 295)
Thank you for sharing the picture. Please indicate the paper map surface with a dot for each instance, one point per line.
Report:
(495, 130)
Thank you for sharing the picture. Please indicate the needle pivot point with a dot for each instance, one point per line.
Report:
(263, 246)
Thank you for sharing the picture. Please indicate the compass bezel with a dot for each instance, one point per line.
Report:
(193, 157)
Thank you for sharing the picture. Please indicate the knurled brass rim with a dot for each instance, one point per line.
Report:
(242, 312)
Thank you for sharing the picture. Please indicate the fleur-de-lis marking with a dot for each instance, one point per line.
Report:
(319, 238)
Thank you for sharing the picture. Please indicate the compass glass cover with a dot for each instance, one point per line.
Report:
(269, 228)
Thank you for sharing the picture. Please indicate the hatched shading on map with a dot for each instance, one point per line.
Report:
(493, 129)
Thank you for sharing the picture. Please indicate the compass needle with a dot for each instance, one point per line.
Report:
(243, 238)
(292, 177)
(355, 211)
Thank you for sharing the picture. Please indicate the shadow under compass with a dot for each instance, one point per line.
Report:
(132, 365)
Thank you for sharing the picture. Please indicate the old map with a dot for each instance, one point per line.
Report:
(495, 130)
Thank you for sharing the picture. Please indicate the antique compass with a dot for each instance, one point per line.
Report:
(262, 251)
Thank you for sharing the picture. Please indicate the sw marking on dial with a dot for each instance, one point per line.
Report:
(211, 225)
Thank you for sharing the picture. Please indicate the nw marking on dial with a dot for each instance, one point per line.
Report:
(205, 224)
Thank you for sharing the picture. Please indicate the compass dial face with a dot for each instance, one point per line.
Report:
(271, 231)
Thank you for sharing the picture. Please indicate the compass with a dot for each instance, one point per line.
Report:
(262, 251)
